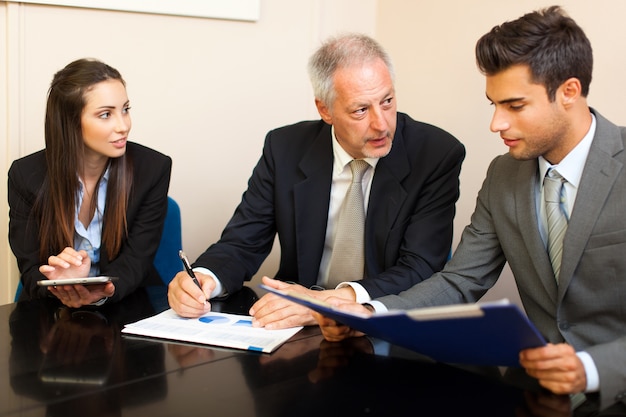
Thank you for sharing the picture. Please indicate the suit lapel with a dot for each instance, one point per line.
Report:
(599, 175)
(526, 212)
(382, 212)
(311, 199)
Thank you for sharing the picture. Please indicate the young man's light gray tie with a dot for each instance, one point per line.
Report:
(554, 196)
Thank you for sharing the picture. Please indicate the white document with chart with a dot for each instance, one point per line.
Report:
(218, 329)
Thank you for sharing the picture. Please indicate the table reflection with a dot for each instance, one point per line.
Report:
(65, 362)
(67, 358)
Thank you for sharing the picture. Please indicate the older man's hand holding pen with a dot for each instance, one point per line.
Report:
(189, 291)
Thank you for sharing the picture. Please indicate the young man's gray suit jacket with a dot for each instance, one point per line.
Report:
(588, 307)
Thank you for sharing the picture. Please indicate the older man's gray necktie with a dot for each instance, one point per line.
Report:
(347, 260)
(554, 195)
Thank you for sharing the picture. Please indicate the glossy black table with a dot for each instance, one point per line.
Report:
(90, 369)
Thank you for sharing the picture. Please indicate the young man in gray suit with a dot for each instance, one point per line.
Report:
(538, 70)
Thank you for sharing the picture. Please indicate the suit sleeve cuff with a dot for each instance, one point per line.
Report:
(218, 291)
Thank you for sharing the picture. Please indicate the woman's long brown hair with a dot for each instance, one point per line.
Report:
(55, 207)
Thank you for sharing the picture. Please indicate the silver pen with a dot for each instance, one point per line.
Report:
(187, 266)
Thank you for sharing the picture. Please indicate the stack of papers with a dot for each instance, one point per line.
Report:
(218, 329)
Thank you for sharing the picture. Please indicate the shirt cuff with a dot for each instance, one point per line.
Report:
(381, 347)
(100, 302)
(219, 288)
(593, 379)
(361, 294)
(378, 306)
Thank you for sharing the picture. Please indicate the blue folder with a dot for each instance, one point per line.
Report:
(489, 333)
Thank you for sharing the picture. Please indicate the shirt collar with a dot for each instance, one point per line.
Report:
(571, 167)
(104, 180)
(341, 157)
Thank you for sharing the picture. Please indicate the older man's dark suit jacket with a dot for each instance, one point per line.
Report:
(147, 207)
(587, 308)
(409, 223)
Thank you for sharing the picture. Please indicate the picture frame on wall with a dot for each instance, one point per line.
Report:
(246, 10)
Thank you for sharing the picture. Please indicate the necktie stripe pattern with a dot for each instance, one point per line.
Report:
(347, 260)
(554, 196)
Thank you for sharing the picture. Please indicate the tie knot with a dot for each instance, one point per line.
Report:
(358, 167)
(552, 186)
(554, 174)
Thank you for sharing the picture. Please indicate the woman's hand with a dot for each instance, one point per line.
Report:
(74, 264)
(68, 264)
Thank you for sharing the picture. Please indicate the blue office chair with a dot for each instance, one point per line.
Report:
(166, 260)
(19, 290)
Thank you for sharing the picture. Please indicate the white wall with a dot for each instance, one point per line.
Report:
(205, 91)
(432, 44)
